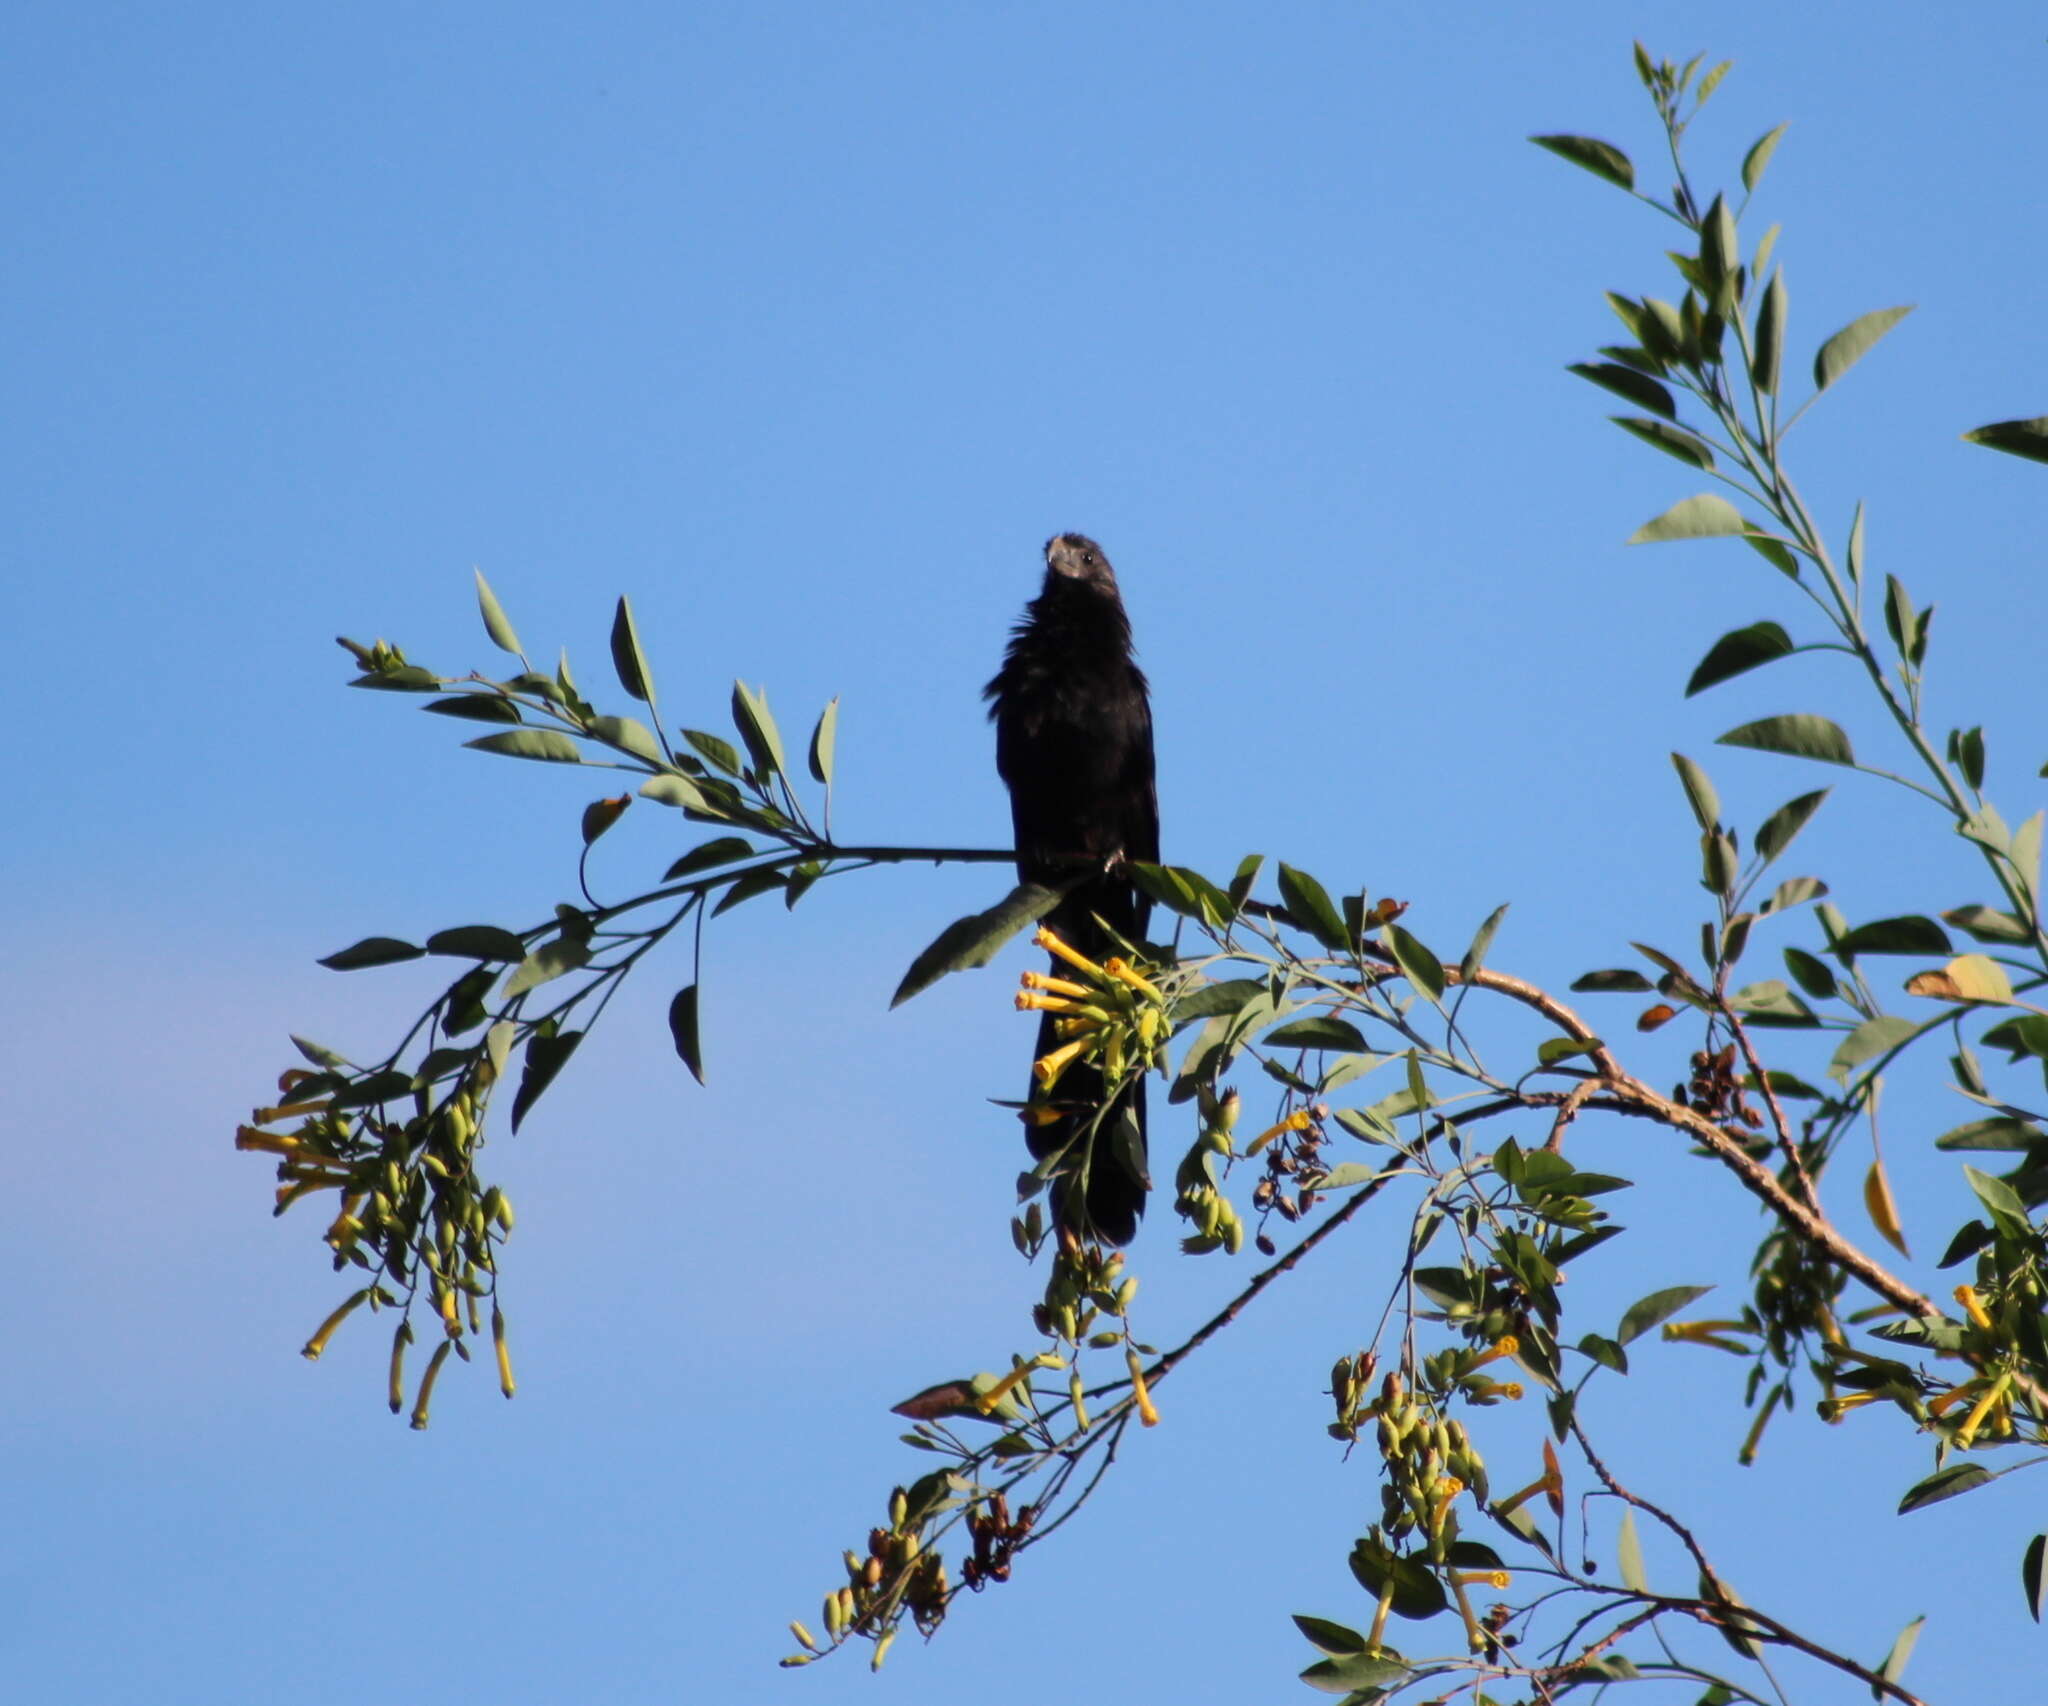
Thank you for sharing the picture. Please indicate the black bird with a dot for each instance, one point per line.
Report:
(1074, 744)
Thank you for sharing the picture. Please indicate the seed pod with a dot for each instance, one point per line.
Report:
(505, 1384)
(803, 1636)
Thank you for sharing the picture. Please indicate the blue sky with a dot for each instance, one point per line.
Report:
(804, 326)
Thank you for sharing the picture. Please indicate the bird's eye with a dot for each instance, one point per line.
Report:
(1088, 557)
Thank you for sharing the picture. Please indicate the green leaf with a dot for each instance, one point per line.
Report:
(549, 745)
(1849, 346)
(1707, 516)
(629, 736)
(1759, 156)
(1988, 924)
(1602, 159)
(1994, 1193)
(1308, 905)
(719, 754)
(682, 1027)
(372, 951)
(673, 788)
(1811, 974)
(1638, 388)
(1966, 752)
(723, 850)
(1613, 982)
(1688, 447)
(750, 715)
(477, 707)
(546, 963)
(1186, 892)
(974, 940)
(546, 1055)
(1354, 1674)
(2003, 1133)
(2033, 1567)
(1211, 999)
(1799, 734)
(1944, 1484)
(1475, 956)
(1786, 822)
(320, 1056)
(1553, 1049)
(2015, 438)
(1775, 552)
(1699, 792)
(477, 942)
(495, 624)
(1417, 963)
(627, 658)
(1794, 891)
(1908, 935)
(1333, 1638)
(1869, 1040)
(748, 886)
(1654, 1310)
(822, 738)
(1770, 335)
(1738, 651)
(1317, 1031)
(1628, 1555)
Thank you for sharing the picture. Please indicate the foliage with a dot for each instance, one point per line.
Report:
(1372, 1041)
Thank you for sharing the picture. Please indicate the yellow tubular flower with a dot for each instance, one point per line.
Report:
(1967, 1296)
(1122, 972)
(1054, 946)
(1054, 985)
(1506, 1346)
(1049, 1067)
(1141, 1394)
(1966, 1435)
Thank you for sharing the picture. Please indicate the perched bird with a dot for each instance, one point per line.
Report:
(1074, 745)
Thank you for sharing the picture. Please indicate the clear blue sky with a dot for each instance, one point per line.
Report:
(804, 325)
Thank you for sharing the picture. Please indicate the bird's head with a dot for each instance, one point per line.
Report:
(1076, 557)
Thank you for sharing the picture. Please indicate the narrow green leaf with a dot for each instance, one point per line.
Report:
(546, 1055)
(719, 754)
(974, 940)
(724, 850)
(549, 745)
(1770, 335)
(1358, 1675)
(1799, 734)
(1855, 551)
(747, 887)
(1775, 552)
(2016, 438)
(1689, 448)
(1699, 792)
(1333, 1638)
(1907, 935)
(627, 658)
(1475, 956)
(1898, 611)
(1638, 387)
(401, 678)
(1553, 1049)
(2002, 1133)
(682, 1027)
(1759, 156)
(1786, 822)
(1995, 1194)
(1793, 891)
(495, 624)
(750, 715)
(1654, 1310)
(319, 1056)
(477, 707)
(822, 738)
(1944, 1484)
(1308, 905)
(1706, 516)
(1210, 999)
(2034, 1575)
(1711, 82)
(1422, 968)
(1602, 159)
(372, 951)
(1966, 752)
(1852, 343)
(477, 942)
(1628, 1555)
(1988, 924)
(546, 963)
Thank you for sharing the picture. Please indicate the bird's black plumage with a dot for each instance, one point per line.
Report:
(1074, 744)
